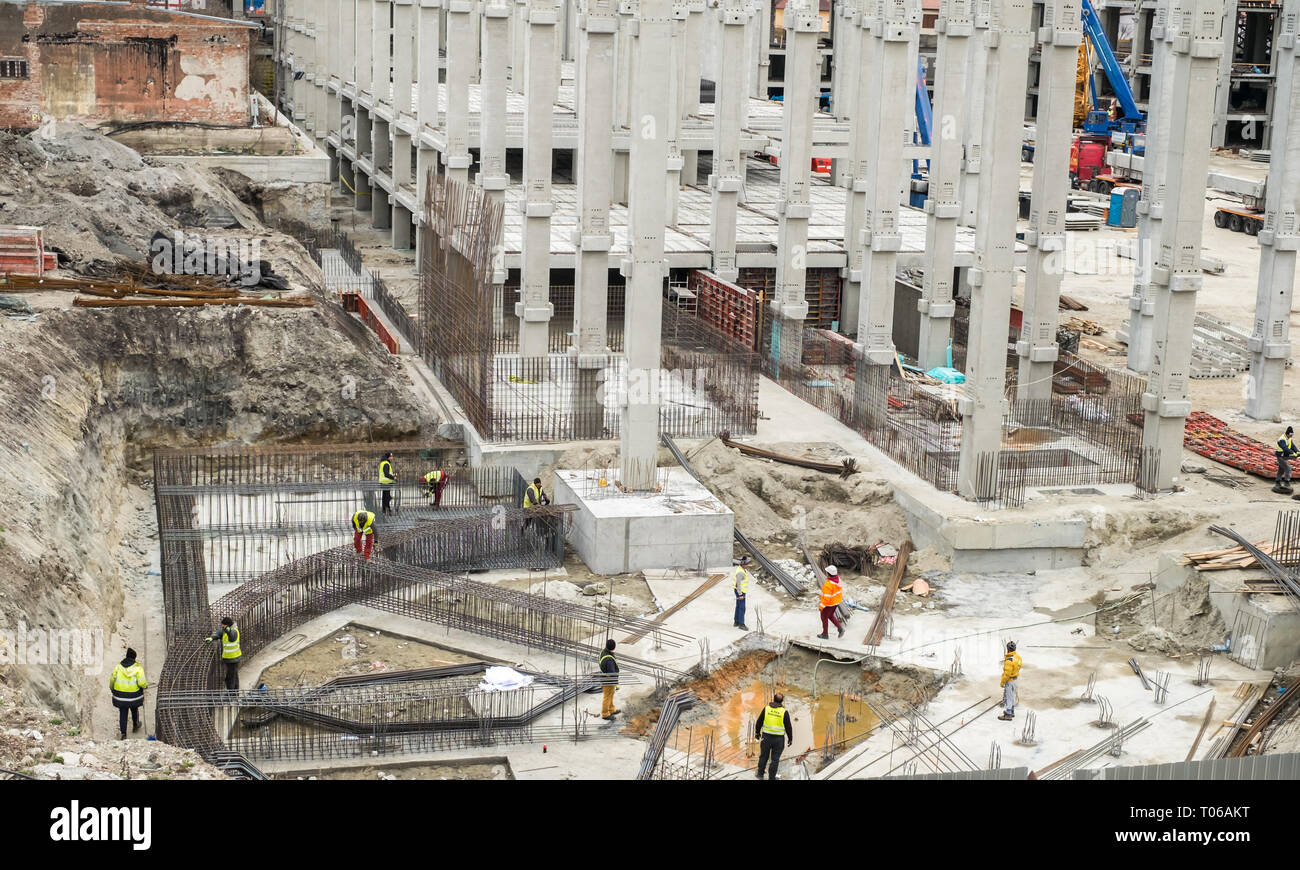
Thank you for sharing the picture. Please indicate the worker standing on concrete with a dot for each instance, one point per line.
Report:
(128, 683)
(1010, 671)
(740, 578)
(387, 477)
(609, 667)
(435, 480)
(363, 526)
(1285, 452)
(231, 652)
(534, 497)
(775, 732)
(832, 595)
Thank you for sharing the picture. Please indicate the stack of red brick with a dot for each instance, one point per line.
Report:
(22, 252)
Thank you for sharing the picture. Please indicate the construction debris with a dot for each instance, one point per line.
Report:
(844, 469)
(877, 631)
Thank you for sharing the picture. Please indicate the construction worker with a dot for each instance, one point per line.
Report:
(435, 480)
(127, 684)
(775, 733)
(363, 526)
(740, 586)
(1285, 452)
(534, 497)
(387, 477)
(231, 652)
(1010, 671)
(832, 595)
(609, 666)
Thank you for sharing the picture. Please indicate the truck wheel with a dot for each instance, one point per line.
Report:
(1253, 226)
(1234, 223)
(1221, 219)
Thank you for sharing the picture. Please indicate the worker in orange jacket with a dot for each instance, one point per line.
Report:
(832, 595)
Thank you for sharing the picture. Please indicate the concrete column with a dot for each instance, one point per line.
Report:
(1194, 53)
(339, 60)
(401, 227)
(401, 159)
(381, 216)
(1224, 86)
(403, 61)
(646, 267)
(1060, 35)
(977, 59)
(430, 22)
(892, 78)
(690, 103)
(677, 49)
(518, 44)
(362, 199)
(597, 27)
(365, 133)
(627, 10)
(534, 308)
(856, 100)
(789, 306)
(380, 58)
(1151, 205)
(382, 153)
(321, 95)
(942, 205)
(730, 95)
(492, 175)
(461, 60)
(1270, 344)
(364, 46)
(760, 72)
(993, 276)
(846, 75)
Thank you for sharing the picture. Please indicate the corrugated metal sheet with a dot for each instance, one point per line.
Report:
(1255, 767)
(1002, 773)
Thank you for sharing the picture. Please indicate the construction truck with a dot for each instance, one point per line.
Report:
(1120, 128)
(1248, 217)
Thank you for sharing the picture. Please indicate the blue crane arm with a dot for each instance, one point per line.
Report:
(924, 111)
(1097, 36)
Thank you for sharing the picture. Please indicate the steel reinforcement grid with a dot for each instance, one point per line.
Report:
(407, 575)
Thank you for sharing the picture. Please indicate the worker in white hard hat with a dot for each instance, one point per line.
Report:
(831, 596)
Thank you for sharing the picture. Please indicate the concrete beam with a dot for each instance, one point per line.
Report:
(1270, 344)
(1060, 35)
(646, 267)
(730, 97)
(993, 277)
(955, 27)
(803, 64)
(1194, 53)
(892, 77)
(534, 308)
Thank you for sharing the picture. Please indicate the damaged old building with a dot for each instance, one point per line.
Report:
(106, 63)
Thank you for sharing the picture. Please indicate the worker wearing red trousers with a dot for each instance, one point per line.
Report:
(363, 528)
(832, 595)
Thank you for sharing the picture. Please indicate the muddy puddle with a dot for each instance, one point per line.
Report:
(839, 718)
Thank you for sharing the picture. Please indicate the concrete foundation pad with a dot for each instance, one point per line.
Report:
(682, 526)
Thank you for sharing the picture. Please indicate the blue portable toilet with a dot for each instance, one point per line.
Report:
(1116, 208)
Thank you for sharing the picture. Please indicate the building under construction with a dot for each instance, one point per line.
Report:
(430, 412)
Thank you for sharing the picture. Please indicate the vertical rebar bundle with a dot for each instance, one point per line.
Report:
(1028, 734)
(1160, 684)
(1203, 669)
(1105, 712)
(995, 756)
(1092, 684)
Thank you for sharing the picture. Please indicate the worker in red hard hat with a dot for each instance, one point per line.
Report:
(831, 596)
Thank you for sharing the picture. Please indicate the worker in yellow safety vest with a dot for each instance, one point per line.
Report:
(832, 595)
(740, 578)
(1011, 664)
(387, 477)
(608, 667)
(231, 652)
(363, 528)
(435, 480)
(1285, 452)
(775, 732)
(534, 497)
(128, 683)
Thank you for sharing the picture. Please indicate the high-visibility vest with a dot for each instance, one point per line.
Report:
(127, 682)
(230, 645)
(773, 720)
(832, 593)
(740, 580)
(434, 476)
(386, 472)
(362, 521)
(1285, 447)
(533, 495)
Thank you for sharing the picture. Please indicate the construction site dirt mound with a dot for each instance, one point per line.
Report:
(1177, 623)
(1112, 534)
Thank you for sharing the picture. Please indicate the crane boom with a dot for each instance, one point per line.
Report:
(1123, 92)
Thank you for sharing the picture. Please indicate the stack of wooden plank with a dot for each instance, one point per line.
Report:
(1082, 324)
(1225, 560)
(1069, 303)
